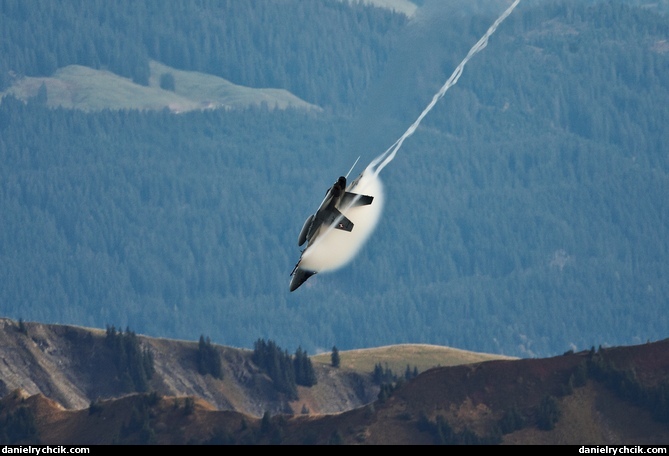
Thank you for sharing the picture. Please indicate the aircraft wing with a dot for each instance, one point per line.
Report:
(342, 222)
(362, 200)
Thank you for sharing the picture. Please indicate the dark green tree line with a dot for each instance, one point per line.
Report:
(134, 364)
(286, 371)
(208, 360)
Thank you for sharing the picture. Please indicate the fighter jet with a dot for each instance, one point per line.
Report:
(328, 215)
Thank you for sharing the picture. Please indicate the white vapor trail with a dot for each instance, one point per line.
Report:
(382, 160)
(333, 249)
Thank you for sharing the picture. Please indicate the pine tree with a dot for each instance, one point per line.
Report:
(208, 359)
(167, 81)
(134, 365)
(304, 370)
(334, 357)
(377, 375)
(278, 364)
(548, 413)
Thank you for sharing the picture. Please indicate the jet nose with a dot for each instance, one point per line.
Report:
(299, 277)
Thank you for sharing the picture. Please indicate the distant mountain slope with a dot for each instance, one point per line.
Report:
(84, 88)
(614, 396)
(401, 6)
(338, 50)
(72, 366)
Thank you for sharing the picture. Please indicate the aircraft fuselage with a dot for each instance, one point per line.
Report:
(328, 215)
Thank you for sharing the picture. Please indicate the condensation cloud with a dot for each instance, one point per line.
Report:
(334, 248)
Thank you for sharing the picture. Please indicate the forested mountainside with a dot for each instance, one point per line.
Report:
(325, 52)
(527, 215)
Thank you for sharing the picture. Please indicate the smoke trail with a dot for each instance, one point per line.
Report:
(333, 249)
(382, 160)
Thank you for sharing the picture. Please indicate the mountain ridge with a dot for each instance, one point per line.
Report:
(613, 395)
(71, 365)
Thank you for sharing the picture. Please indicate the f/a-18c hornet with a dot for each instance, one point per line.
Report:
(328, 216)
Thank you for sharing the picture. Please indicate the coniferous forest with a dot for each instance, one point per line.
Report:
(527, 215)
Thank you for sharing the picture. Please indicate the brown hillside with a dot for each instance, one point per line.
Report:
(74, 366)
(474, 400)
(606, 397)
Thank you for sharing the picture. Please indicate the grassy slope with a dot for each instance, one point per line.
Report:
(397, 357)
(88, 89)
(402, 6)
(208, 89)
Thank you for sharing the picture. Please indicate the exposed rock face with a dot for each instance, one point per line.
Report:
(71, 365)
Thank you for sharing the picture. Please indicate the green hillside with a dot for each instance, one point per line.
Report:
(403, 6)
(79, 87)
(214, 92)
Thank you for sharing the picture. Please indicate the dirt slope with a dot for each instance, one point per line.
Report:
(71, 365)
